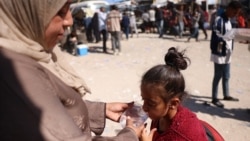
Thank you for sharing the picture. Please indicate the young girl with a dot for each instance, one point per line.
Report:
(162, 90)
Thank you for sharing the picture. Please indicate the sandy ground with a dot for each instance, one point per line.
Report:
(117, 78)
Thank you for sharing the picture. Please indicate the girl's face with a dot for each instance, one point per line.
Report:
(55, 30)
(153, 104)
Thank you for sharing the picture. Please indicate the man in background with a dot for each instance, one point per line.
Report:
(114, 27)
(221, 52)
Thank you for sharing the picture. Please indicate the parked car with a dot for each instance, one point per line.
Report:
(94, 5)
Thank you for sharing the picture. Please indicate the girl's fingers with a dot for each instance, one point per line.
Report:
(152, 132)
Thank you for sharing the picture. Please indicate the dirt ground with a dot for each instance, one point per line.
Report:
(117, 78)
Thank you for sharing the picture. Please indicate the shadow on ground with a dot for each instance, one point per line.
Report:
(99, 49)
(203, 104)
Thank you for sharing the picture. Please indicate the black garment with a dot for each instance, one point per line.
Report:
(158, 14)
(89, 31)
(125, 25)
(95, 27)
(104, 39)
(125, 21)
(89, 34)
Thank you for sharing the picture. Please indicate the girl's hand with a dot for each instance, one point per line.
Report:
(147, 137)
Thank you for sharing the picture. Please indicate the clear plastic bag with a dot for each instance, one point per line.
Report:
(137, 115)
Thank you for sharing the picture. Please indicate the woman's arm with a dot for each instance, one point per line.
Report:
(97, 116)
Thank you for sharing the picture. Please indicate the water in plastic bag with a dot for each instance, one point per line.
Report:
(136, 113)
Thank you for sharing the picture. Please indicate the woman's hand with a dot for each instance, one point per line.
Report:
(114, 110)
(147, 137)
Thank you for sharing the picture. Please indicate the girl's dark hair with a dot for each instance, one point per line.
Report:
(167, 78)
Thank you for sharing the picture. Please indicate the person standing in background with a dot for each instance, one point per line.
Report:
(241, 20)
(133, 26)
(159, 20)
(102, 16)
(203, 19)
(194, 26)
(181, 19)
(89, 30)
(151, 14)
(125, 23)
(95, 27)
(114, 27)
(145, 21)
(221, 52)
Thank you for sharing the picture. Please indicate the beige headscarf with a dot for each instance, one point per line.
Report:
(22, 29)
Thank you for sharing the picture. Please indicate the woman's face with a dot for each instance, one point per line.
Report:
(153, 104)
(55, 30)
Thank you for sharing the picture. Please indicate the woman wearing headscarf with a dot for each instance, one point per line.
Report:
(40, 95)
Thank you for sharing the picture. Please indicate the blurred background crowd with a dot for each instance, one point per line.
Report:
(164, 17)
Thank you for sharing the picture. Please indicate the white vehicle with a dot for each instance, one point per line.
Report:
(94, 5)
